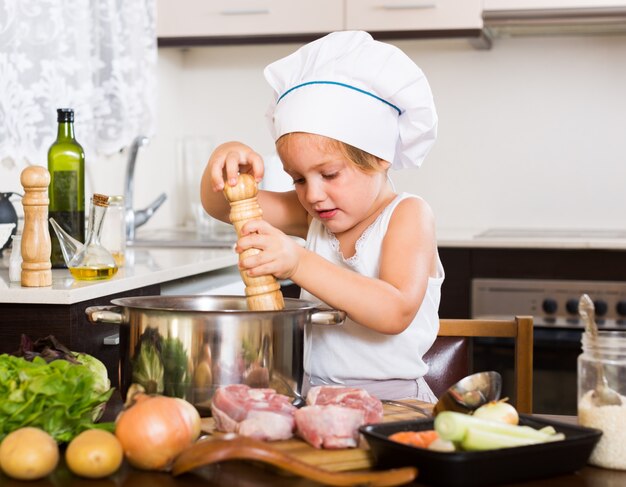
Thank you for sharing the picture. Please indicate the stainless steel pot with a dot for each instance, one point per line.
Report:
(188, 346)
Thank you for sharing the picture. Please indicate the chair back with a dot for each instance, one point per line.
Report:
(450, 359)
(448, 362)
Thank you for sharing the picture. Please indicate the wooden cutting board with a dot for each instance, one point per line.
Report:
(334, 460)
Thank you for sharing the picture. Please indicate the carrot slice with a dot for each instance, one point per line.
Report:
(420, 439)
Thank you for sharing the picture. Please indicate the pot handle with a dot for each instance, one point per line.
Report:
(105, 314)
(328, 317)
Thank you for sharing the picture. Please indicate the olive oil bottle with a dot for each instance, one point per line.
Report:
(66, 164)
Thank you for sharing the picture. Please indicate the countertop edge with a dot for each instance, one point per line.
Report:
(66, 291)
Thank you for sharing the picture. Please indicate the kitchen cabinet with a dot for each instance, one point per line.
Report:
(215, 18)
(549, 4)
(413, 15)
(462, 264)
(197, 22)
(541, 17)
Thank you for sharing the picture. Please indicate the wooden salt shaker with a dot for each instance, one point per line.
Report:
(262, 292)
(36, 247)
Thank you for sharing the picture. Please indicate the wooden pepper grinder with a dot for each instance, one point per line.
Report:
(262, 292)
(36, 247)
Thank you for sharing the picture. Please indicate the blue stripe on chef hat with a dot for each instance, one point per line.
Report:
(349, 87)
(338, 84)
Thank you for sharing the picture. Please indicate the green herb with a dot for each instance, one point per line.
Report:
(58, 397)
(175, 363)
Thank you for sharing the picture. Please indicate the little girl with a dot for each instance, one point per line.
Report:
(346, 108)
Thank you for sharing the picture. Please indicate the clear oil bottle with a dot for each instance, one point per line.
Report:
(94, 261)
(89, 261)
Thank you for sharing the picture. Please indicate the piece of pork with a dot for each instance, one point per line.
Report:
(334, 414)
(350, 397)
(329, 426)
(258, 413)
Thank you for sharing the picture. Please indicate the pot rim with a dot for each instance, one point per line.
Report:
(168, 303)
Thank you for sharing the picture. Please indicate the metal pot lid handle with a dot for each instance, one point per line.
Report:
(328, 317)
(105, 314)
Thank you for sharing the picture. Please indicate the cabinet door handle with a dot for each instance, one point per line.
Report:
(409, 6)
(251, 11)
(112, 339)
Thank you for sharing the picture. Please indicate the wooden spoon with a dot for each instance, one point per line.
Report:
(208, 451)
(602, 395)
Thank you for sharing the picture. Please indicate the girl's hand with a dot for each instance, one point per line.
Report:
(230, 159)
(279, 254)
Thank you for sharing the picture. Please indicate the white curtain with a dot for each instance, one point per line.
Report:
(95, 56)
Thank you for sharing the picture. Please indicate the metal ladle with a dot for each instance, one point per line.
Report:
(602, 395)
(465, 396)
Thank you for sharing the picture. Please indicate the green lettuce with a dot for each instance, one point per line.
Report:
(58, 397)
(99, 371)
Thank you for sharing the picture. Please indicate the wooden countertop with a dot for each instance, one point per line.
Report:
(244, 474)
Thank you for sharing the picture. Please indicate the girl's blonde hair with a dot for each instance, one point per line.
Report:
(364, 161)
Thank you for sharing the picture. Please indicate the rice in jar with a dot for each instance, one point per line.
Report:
(608, 351)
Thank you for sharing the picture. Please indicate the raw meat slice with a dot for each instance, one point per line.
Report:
(329, 426)
(350, 397)
(258, 413)
(334, 414)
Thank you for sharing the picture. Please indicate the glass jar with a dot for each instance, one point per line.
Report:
(113, 236)
(606, 354)
(15, 262)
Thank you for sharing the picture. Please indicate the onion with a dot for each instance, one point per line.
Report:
(191, 416)
(500, 411)
(155, 429)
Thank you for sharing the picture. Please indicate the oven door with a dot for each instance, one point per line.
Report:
(555, 357)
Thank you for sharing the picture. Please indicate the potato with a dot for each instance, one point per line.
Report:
(28, 454)
(94, 454)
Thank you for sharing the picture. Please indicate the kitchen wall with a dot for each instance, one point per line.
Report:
(531, 132)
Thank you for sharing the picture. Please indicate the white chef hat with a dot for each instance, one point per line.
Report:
(363, 92)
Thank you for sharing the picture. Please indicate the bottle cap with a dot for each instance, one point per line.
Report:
(65, 114)
(100, 200)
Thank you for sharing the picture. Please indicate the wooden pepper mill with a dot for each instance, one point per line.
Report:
(262, 292)
(36, 247)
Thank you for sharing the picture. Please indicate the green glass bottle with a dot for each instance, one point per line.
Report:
(66, 164)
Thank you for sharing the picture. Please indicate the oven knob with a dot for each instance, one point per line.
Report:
(601, 307)
(572, 306)
(550, 306)
(621, 308)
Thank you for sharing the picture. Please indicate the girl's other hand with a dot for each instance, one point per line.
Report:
(279, 254)
(229, 160)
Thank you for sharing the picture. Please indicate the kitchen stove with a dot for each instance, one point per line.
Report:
(557, 334)
(552, 303)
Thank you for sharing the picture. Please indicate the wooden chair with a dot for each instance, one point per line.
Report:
(449, 358)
